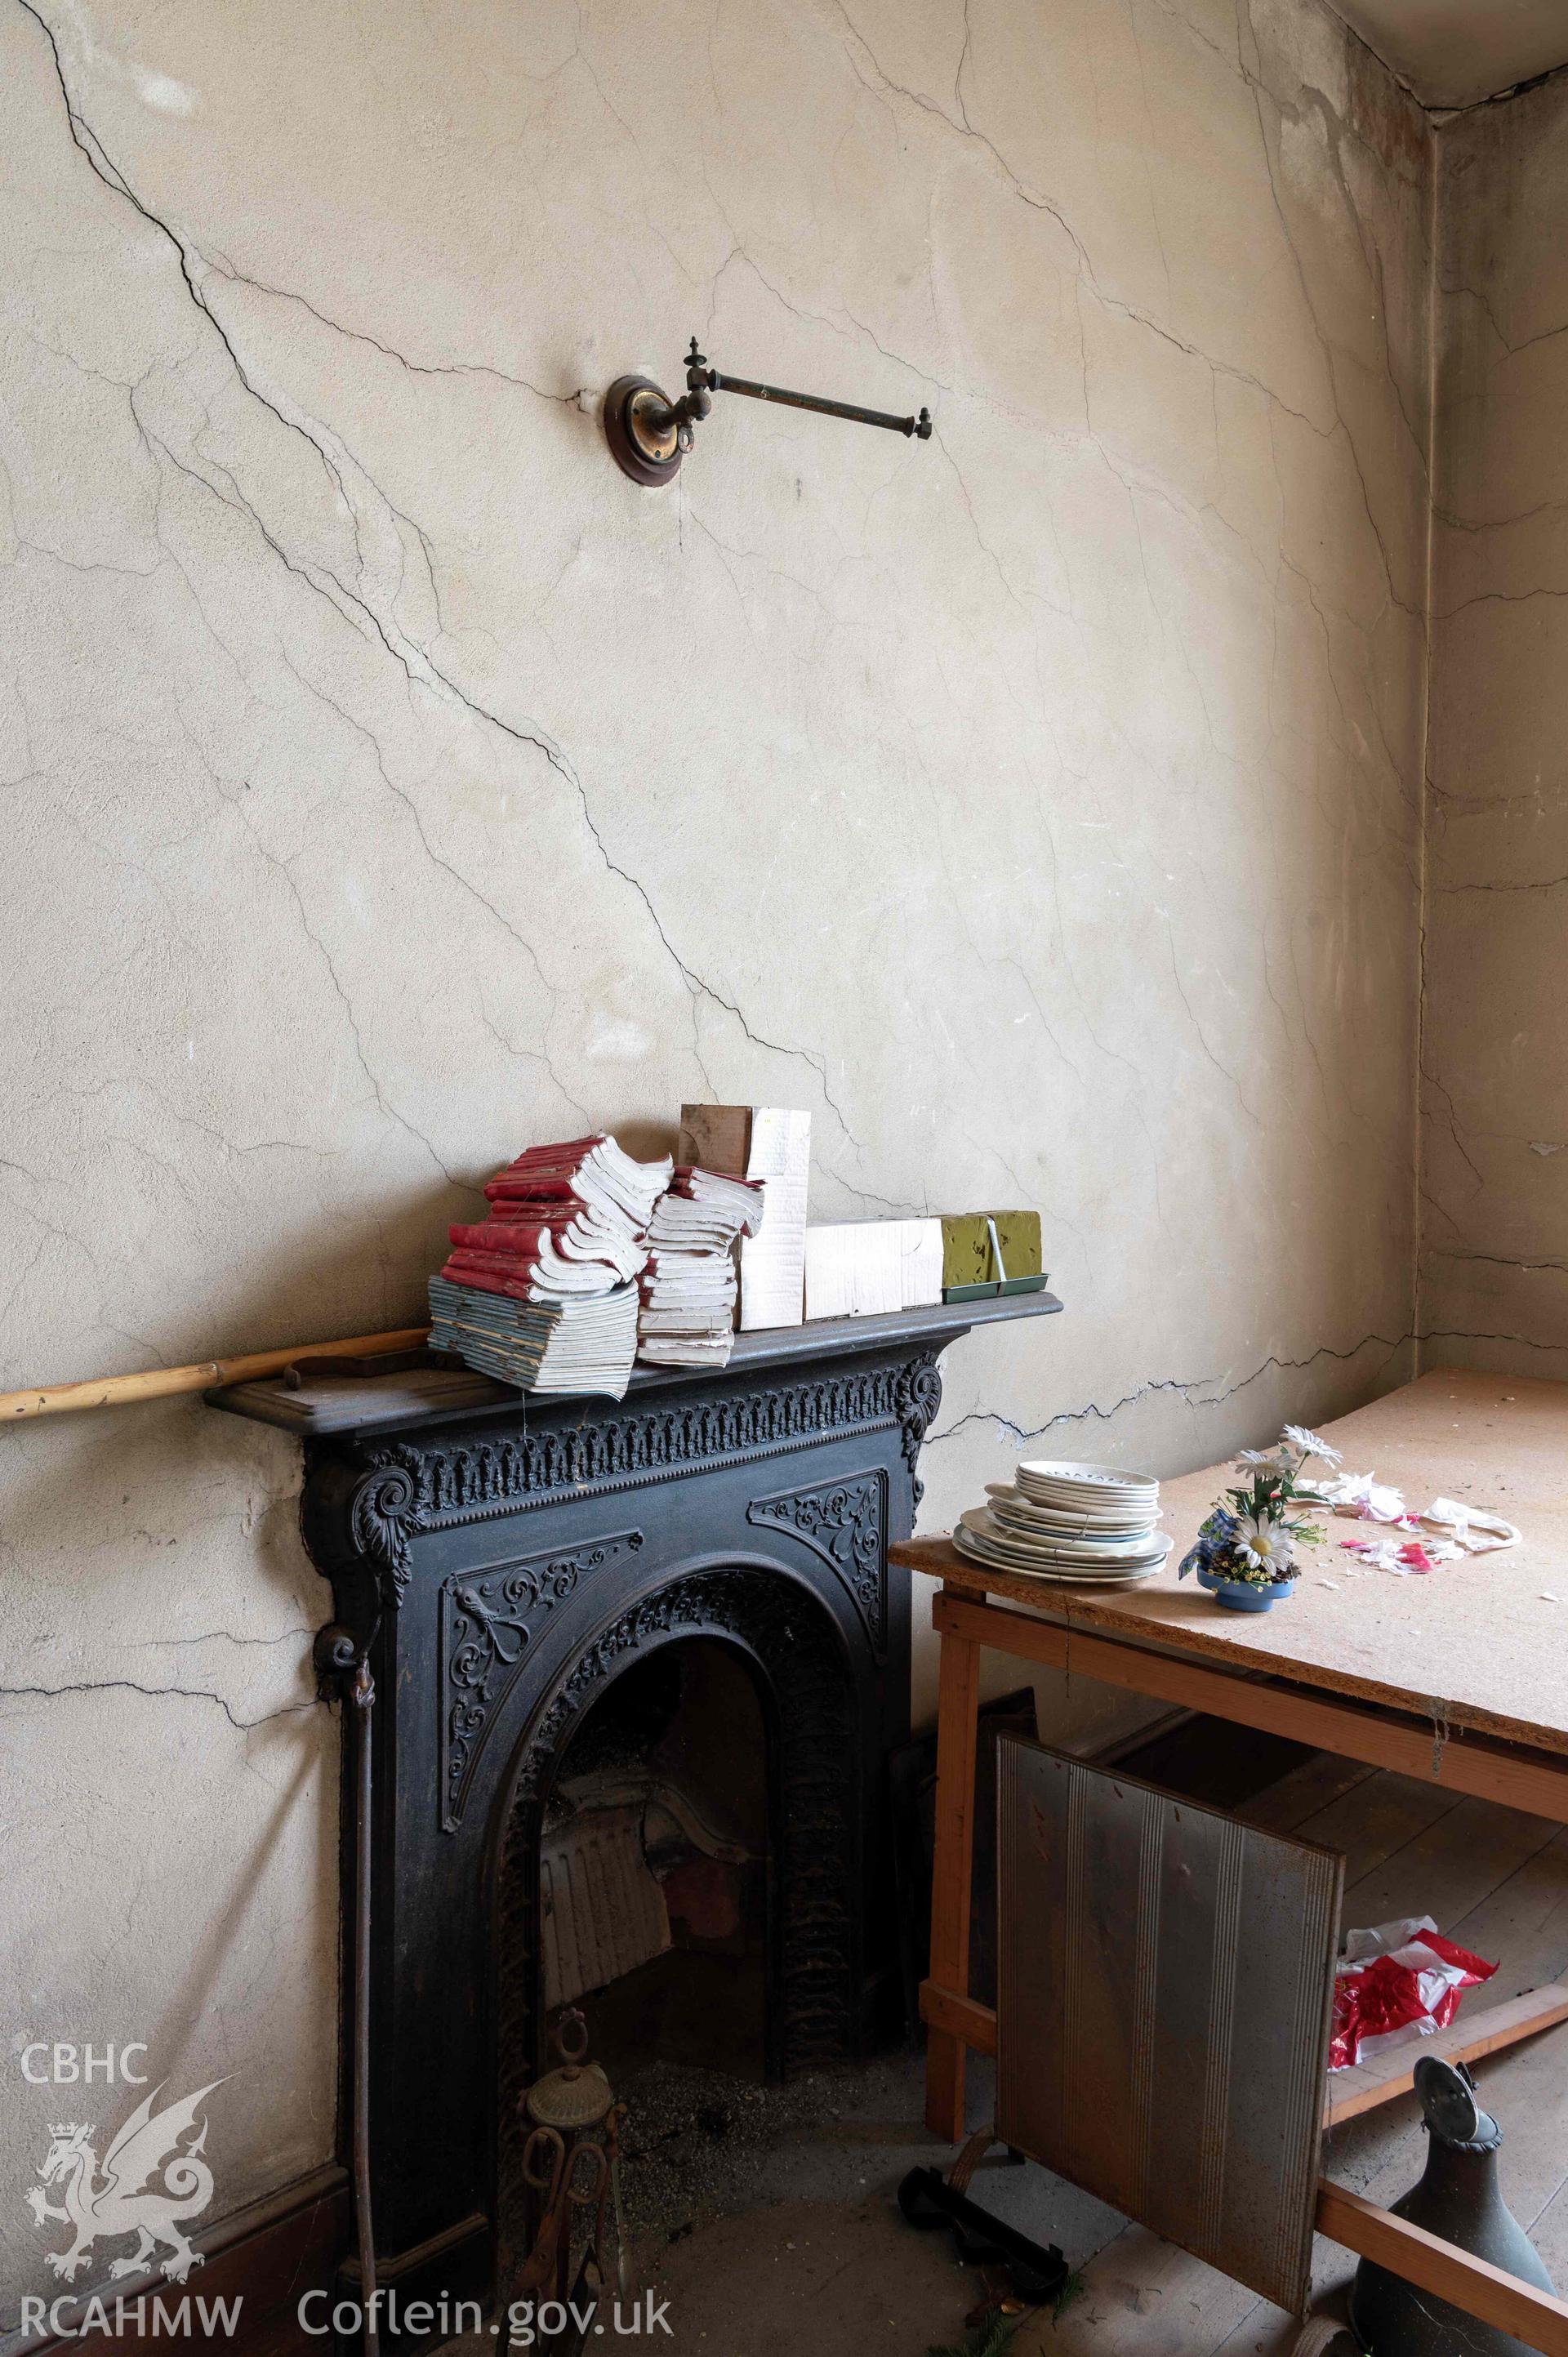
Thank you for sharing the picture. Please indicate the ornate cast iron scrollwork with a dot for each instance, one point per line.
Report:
(449, 1483)
(338, 1654)
(361, 1511)
(486, 1623)
(356, 1517)
(385, 1513)
(844, 1522)
(919, 1395)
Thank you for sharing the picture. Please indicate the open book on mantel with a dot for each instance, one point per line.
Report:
(773, 1145)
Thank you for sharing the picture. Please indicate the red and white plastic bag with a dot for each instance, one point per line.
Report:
(1396, 1983)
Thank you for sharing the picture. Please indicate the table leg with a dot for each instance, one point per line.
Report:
(957, 1715)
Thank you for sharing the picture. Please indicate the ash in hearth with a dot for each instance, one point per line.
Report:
(699, 2144)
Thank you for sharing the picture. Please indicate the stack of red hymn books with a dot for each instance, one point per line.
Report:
(543, 1293)
(689, 1285)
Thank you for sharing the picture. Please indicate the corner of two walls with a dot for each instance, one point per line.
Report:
(387, 780)
(1494, 1280)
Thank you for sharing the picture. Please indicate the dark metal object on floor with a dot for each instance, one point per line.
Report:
(569, 2166)
(1165, 1979)
(1038, 2272)
(650, 435)
(1458, 2199)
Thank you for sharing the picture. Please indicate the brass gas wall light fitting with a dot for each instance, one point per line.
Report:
(650, 435)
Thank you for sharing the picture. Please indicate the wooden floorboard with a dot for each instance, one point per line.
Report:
(1142, 2297)
(1375, 1822)
(1450, 1867)
(1523, 1925)
(1494, 1880)
(1284, 1807)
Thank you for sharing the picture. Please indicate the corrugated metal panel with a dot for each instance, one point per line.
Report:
(1163, 1988)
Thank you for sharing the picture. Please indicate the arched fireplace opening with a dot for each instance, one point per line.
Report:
(712, 1742)
(655, 1900)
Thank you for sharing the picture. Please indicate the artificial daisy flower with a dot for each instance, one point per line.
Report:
(1310, 1445)
(1264, 1545)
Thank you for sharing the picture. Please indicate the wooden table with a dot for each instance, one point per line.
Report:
(1457, 1677)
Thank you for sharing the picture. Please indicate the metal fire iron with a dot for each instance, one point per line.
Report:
(570, 2165)
(650, 435)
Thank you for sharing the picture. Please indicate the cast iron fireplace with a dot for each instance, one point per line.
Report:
(498, 1564)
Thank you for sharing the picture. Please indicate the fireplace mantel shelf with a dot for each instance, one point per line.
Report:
(427, 1396)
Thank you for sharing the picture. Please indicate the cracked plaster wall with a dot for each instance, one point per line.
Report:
(388, 782)
(1495, 1029)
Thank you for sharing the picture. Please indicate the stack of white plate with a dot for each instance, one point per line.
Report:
(1065, 1521)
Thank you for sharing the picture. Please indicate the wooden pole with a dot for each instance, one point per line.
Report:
(166, 1383)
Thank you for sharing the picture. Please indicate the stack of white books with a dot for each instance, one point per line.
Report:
(586, 1342)
(689, 1286)
(773, 1145)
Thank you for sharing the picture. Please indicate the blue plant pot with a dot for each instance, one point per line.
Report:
(1239, 1595)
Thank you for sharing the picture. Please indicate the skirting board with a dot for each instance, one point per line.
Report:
(267, 2256)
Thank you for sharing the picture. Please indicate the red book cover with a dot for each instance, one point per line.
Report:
(519, 1265)
(563, 1149)
(524, 1187)
(498, 1236)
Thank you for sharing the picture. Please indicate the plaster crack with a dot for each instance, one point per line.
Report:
(105, 170)
(1434, 1083)
(227, 271)
(383, 1101)
(1497, 597)
(700, 988)
(535, 1056)
(1484, 1334)
(1535, 884)
(1501, 1260)
(103, 165)
(1185, 1386)
(227, 1636)
(1200, 1033)
(130, 1686)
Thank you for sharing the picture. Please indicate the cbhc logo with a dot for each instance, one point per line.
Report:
(68, 2065)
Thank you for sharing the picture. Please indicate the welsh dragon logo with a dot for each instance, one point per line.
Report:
(148, 2188)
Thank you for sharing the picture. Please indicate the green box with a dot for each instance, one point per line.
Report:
(969, 1265)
